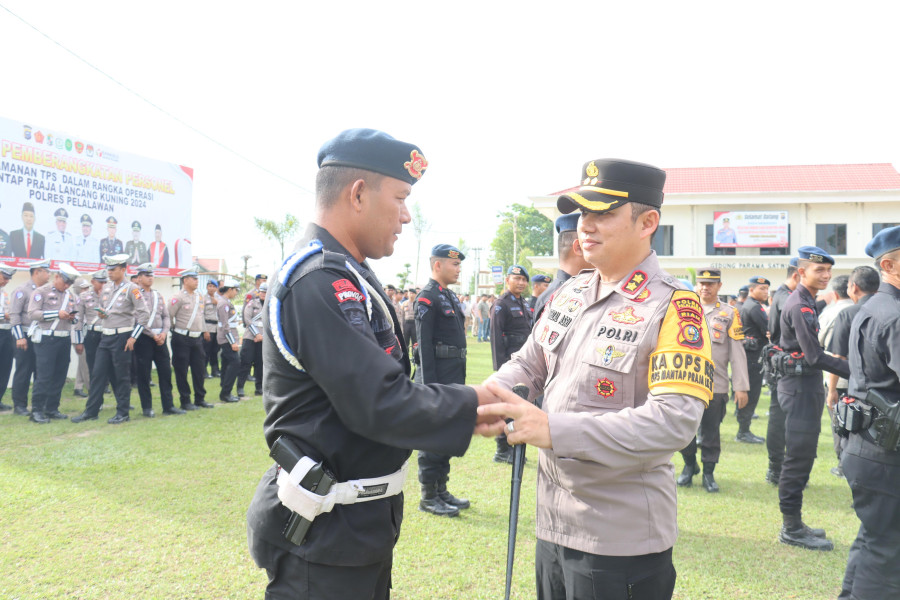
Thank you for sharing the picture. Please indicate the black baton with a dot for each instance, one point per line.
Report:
(515, 491)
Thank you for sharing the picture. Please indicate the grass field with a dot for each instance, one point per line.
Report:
(155, 508)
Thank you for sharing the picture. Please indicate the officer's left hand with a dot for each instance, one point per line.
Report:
(741, 399)
(530, 422)
(831, 398)
(160, 339)
(79, 348)
(258, 337)
(129, 345)
(235, 347)
(66, 315)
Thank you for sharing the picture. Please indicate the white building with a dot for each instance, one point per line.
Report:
(835, 207)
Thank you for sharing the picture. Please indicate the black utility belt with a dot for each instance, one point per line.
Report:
(212, 322)
(790, 363)
(442, 351)
(877, 416)
(752, 344)
(516, 339)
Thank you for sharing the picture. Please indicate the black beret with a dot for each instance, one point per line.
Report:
(376, 151)
(759, 281)
(607, 184)
(709, 275)
(744, 288)
(540, 279)
(567, 222)
(447, 251)
(814, 254)
(886, 240)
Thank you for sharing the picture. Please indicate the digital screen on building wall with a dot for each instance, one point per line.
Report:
(756, 229)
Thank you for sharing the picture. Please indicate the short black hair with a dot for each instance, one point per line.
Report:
(330, 180)
(564, 243)
(866, 279)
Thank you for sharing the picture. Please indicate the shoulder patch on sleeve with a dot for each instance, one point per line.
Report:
(136, 293)
(736, 331)
(345, 291)
(682, 362)
(423, 299)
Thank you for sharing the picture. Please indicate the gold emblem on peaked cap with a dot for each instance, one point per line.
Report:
(591, 170)
(706, 274)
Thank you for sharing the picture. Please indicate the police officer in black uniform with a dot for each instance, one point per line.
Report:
(571, 259)
(775, 426)
(801, 393)
(336, 381)
(870, 461)
(441, 353)
(511, 323)
(756, 336)
(539, 284)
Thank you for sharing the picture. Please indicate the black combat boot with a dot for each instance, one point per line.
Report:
(691, 468)
(773, 474)
(795, 533)
(431, 502)
(709, 482)
(448, 498)
(504, 450)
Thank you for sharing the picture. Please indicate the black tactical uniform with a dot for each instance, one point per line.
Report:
(802, 397)
(441, 329)
(544, 298)
(755, 321)
(353, 407)
(775, 427)
(872, 470)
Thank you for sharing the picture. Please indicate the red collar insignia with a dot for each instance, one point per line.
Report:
(634, 283)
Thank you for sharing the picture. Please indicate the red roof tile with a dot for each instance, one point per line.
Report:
(793, 178)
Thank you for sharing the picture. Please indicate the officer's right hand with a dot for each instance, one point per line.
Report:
(485, 397)
(66, 315)
(741, 399)
(23, 344)
(206, 336)
(235, 347)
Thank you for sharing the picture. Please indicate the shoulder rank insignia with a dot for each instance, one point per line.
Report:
(634, 283)
(626, 317)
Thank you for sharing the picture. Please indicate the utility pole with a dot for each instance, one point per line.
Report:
(515, 255)
(477, 252)
(245, 258)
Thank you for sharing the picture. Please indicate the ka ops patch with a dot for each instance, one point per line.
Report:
(682, 362)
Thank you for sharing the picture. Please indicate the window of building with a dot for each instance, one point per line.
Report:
(663, 241)
(832, 237)
(711, 250)
(876, 227)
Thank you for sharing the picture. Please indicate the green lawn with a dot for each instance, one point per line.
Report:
(155, 509)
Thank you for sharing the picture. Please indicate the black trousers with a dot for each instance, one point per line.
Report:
(409, 332)
(111, 365)
(91, 343)
(251, 355)
(52, 356)
(148, 352)
(874, 477)
(754, 369)
(25, 368)
(292, 578)
(803, 400)
(710, 440)
(7, 351)
(211, 350)
(188, 352)
(230, 367)
(566, 574)
(775, 431)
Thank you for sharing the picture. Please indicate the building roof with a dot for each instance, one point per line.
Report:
(791, 178)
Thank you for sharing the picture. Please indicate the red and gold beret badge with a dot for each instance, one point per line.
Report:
(416, 164)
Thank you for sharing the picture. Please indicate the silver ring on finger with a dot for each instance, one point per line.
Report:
(511, 427)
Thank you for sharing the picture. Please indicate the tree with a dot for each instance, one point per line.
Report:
(278, 232)
(420, 225)
(403, 276)
(523, 232)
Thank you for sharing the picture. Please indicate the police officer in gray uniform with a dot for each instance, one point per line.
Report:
(251, 343)
(55, 308)
(210, 345)
(7, 344)
(871, 457)
(92, 322)
(801, 394)
(124, 317)
(151, 348)
(227, 337)
(186, 312)
(21, 328)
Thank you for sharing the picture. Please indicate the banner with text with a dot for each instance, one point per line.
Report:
(758, 229)
(67, 199)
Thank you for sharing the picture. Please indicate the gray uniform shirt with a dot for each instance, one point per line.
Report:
(182, 307)
(209, 317)
(44, 307)
(158, 321)
(727, 345)
(4, 310)
(626, 374)
(252, 318)
(124, 306)
(227, 315)
(18, 311)
(89, 299)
